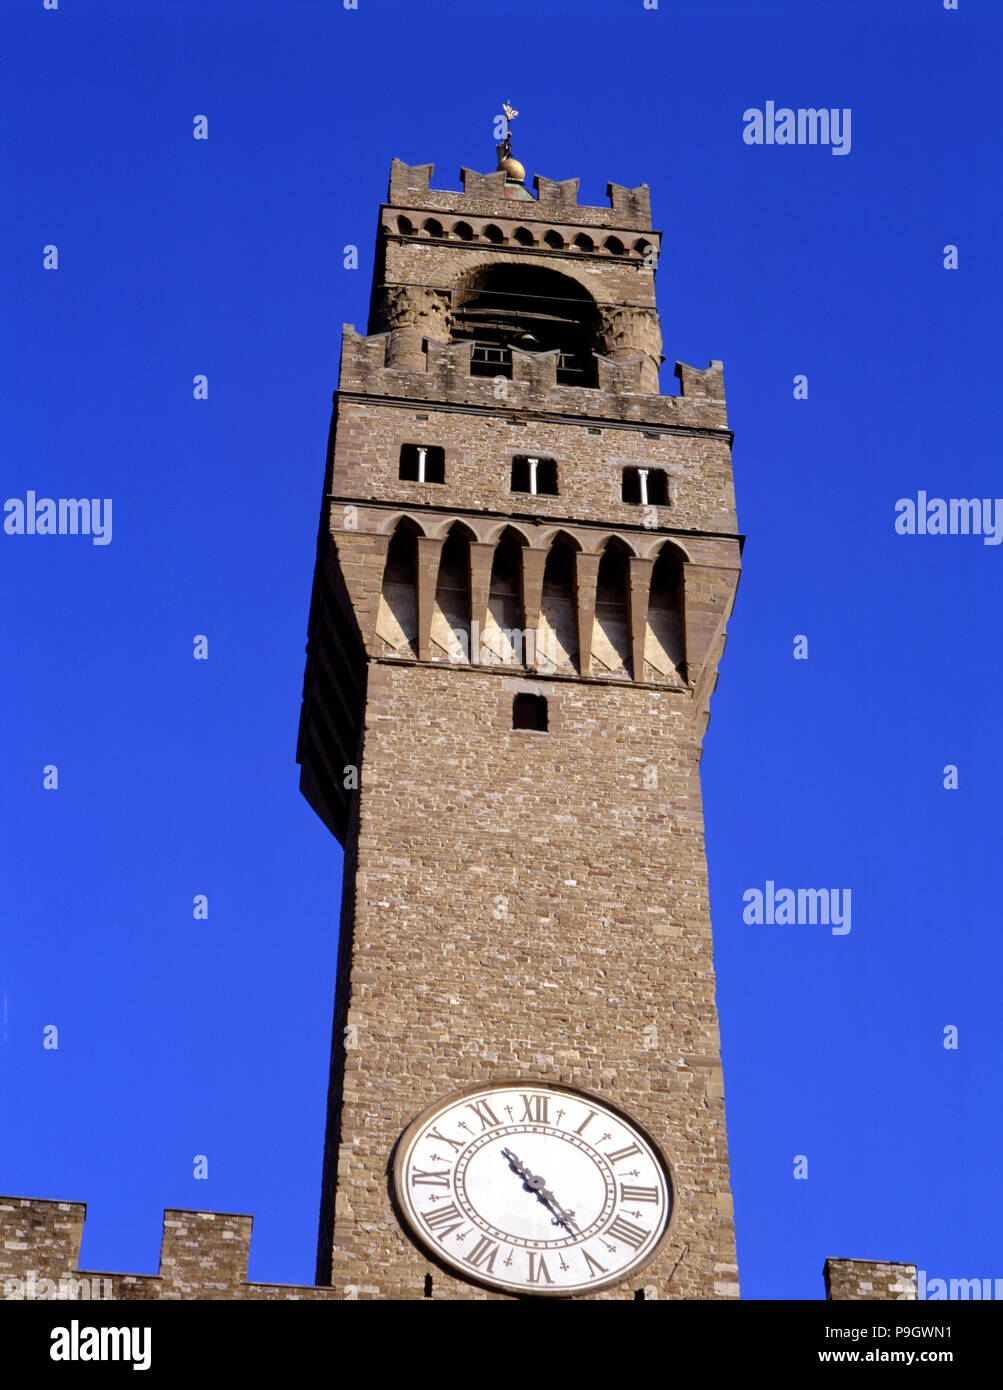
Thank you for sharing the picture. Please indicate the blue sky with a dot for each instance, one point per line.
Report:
(225, 257)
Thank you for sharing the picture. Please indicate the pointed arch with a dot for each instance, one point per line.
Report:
(450, 629)
(611, 624)
(503, 637)
(392, 522)
(494, 234)
(664, 637)
(557, 637)
(397, 614)
(432, 227)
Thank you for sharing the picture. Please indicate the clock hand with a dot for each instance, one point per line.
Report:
(538, 1186)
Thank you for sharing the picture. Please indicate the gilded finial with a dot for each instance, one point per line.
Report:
(513, 169)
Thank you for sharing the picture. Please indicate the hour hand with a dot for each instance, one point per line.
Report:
(516, 1163)
(538, 1186)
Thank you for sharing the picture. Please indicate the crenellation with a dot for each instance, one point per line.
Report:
(409, 188)
(439, 373)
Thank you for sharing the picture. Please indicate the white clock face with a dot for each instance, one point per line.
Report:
(533, 1189)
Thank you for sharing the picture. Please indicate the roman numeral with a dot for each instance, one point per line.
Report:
(627, 1232)
(594, 1266)
(535, 1108)
(483, 1254)
(585, 1122)
(434, 1134)
(538, 1269)
(628, 1152)
(444, 1220)
(484, 1113)
(438, 1178)
(637, 1194)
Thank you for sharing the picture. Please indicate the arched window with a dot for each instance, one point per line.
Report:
(614, 246)
(664, 646)
(557, 638)
(397, 616)
(405, 226)
(583, 242)
(431, 227)
(493, 234)
(611, 627)
(464, 231)
(554, 240)
(499, 307)
(523, 236)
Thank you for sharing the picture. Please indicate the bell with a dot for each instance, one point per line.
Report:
(527, 341)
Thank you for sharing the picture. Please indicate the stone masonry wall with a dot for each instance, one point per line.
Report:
(533, 913)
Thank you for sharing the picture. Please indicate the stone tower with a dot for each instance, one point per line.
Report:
(526, 562)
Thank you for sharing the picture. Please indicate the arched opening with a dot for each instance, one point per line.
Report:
(499, 307)
(523, 236)
(503, 639)
(450, 633)
(397, 616)
(464, 231)
(611, 626)
(664, 644)
(431, 227)
(583, 242)
(557, 639)
(554, 240)
(614, 246)
(405, 226)
(494, 234)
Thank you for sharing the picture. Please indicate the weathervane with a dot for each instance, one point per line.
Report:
(510, 115)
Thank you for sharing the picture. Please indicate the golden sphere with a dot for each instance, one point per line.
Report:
(513, 169)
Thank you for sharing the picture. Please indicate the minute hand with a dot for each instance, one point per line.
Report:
(538, 1186)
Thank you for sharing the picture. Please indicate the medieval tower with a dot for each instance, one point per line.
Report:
(526, 563)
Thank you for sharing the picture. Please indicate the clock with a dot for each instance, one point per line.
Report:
(533, 1188)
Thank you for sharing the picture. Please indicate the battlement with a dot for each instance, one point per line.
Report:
(869, 1280)
(441, 372)
(203, 1255)
(629, 208)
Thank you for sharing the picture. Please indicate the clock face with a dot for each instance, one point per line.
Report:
(533, 1188)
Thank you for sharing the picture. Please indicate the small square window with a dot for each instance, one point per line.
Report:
(422, 463)
(537, 476)
(530, 712)
(648, 486)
